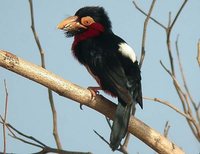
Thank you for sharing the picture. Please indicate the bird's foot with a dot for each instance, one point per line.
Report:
(94, 91)
(81, 106)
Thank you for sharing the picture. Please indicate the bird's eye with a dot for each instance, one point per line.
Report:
(86, 21)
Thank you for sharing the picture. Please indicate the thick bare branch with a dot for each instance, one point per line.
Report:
(63, 87)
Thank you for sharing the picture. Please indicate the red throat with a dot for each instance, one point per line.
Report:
(94, 30)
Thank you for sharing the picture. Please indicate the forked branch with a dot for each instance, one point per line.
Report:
(18, 135)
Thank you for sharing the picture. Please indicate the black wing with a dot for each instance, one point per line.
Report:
(111, 74)
(106, 66)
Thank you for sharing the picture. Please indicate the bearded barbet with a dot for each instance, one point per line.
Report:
(110, 60)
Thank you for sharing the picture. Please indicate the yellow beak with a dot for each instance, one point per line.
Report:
(70, 24)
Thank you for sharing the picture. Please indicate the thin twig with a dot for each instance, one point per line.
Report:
(27, 142)
(26, 136)
(9, 129)
(50, 94)
(166, 129)
(101, 137)
(168, 33)
(35, 142)
(177, 15)
(198, 52)
(108, 121)
(54, 113)
(198, 113)
(182, 95)
(187, 94)
(5, 116)
(121, 149)
(58, 151)
(169, 19)
(176, 83)
(183, 75)
(35, 35)
(169, 105)
(144, 13)
(144, 33)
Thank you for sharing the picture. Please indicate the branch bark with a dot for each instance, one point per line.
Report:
(74, 92)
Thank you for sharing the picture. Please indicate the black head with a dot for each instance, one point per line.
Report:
(97, 13)
(84, 18)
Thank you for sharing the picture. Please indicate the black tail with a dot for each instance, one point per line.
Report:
(120, 123)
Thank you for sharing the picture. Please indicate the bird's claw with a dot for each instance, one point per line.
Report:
(81, 106)
(94, 91)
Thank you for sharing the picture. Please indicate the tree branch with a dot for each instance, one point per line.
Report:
(183, 76)
(16, 134)
(144, 33)
(169, 105)
(67, 89)
(193, 123)
(50, 94)
(198, 52)
(168, 34)
(166, 129)
(5, 116)
(144, 13)
(36, 36)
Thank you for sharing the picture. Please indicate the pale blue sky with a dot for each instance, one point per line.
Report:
(29, 109)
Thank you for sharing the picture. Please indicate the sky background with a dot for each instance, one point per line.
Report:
(29, 109)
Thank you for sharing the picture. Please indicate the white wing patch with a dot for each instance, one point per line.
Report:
(127, 51)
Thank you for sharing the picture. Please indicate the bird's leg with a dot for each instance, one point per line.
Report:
(94, 91)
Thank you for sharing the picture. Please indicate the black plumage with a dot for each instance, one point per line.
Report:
(110, 61)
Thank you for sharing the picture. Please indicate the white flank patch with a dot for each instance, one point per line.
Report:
(127, 51)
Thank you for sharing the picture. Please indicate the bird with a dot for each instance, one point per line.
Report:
(110, 61)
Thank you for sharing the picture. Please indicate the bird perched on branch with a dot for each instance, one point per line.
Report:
(110, 60)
